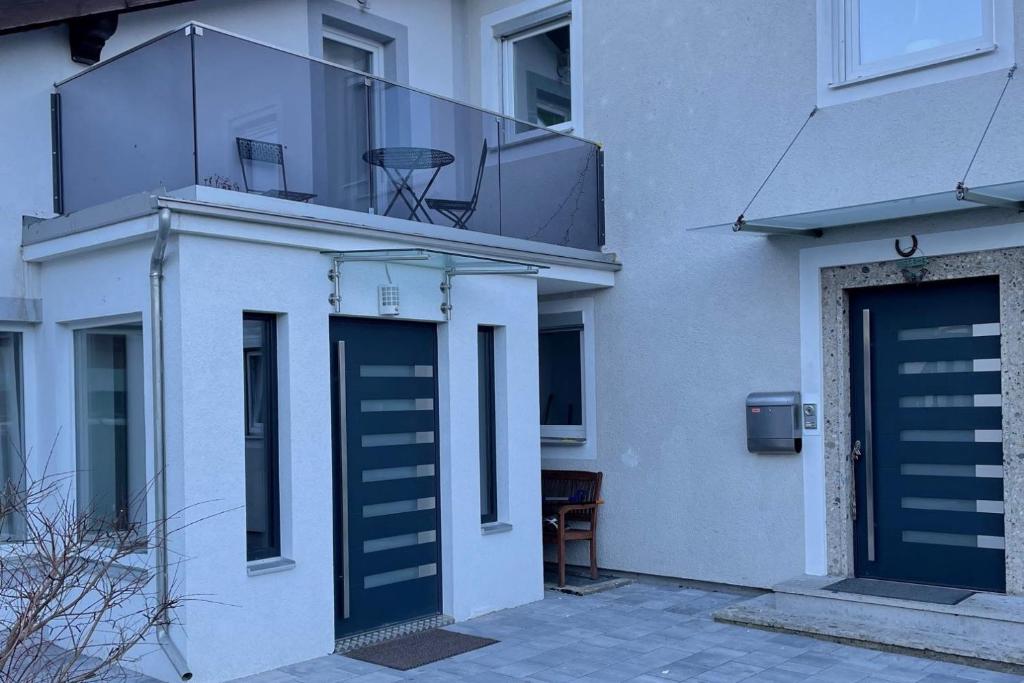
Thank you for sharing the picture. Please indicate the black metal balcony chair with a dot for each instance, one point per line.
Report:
(459, 211)
(258, 151)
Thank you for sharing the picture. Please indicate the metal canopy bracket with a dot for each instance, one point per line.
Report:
(743, 225)
(448, 263)
(380, 256)
(966, 194)
(451, 272)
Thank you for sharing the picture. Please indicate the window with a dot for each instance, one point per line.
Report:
(259, 368)
(110, 428)
(537, 75)
(353, 52)
(561, 376)
(488, 438)
(875, 38)
(11, 439)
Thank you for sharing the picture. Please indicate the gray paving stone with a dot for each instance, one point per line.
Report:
(642, 633)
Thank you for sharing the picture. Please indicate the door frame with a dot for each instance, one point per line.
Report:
(835, 433)
(338, 480)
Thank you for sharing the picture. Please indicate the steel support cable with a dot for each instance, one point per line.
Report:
(741, 219)
(961, 187)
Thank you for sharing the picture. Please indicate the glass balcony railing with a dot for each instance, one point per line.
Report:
(201, 107)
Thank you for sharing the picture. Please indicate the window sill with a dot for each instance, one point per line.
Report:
(896, 71)
(563, 441)
(272, 565)
(495, 528)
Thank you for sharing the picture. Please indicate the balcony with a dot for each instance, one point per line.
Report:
(198, 106)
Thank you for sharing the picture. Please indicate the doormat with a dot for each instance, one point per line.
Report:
(938, 595)
(419, 649)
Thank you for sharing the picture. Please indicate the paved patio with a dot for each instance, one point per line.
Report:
(641, 632)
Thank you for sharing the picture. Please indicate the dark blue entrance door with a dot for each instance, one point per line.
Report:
(386, 532)
(927, 419)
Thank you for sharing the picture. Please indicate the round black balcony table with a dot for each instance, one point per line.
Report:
(399, 163)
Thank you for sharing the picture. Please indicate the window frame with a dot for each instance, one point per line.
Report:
(375, 49)
(130, 330)
(508, 80)
(569, 433)
(269, 434)
(487, 408)
(516, 19)
(12, 529)
(846, 67)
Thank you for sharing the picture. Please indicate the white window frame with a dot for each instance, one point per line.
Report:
(374, 48)
(12, 530)
(131, 329)
(578, 432)
(508, 79)
(514, 22)
(575, 442)
(846, 25)
(842, 79)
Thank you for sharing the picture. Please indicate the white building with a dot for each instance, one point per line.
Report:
(321, 436)
(236, 153)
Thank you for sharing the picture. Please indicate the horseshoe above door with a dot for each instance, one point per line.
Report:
(906, 253)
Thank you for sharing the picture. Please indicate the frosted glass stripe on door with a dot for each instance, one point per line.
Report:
(392, 473)
(396, 439)
(962, 540)
(376, 545)
(929, 470)
(936, 367)
(396, 370)
(399, 575)
(949, 332)
(952, 401)
(394, 405)
(953, 505)
(397, 507)
(953, 435)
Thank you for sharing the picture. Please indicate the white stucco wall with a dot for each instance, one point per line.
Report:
(288, 616)
(694, 102)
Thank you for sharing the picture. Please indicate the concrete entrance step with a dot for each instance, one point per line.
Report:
(986, 629)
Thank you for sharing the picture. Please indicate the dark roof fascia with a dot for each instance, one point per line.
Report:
(26, 15)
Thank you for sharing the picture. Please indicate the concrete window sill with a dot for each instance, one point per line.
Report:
(495, 528)
(270, 566)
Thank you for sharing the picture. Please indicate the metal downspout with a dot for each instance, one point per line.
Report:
(156, 300)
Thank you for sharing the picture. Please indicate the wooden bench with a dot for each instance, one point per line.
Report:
(570, 500)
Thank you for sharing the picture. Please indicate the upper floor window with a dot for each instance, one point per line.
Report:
(881, 36)
(896, 44)
(531, 64)
(353, 52)
(537, 74)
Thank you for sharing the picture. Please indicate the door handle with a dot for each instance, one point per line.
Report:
(339, 348)
(855, 454)
(869, 459)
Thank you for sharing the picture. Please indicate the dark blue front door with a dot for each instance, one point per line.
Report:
(927, 419)
(387, 537)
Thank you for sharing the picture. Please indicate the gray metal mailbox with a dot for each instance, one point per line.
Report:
(773, 422)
